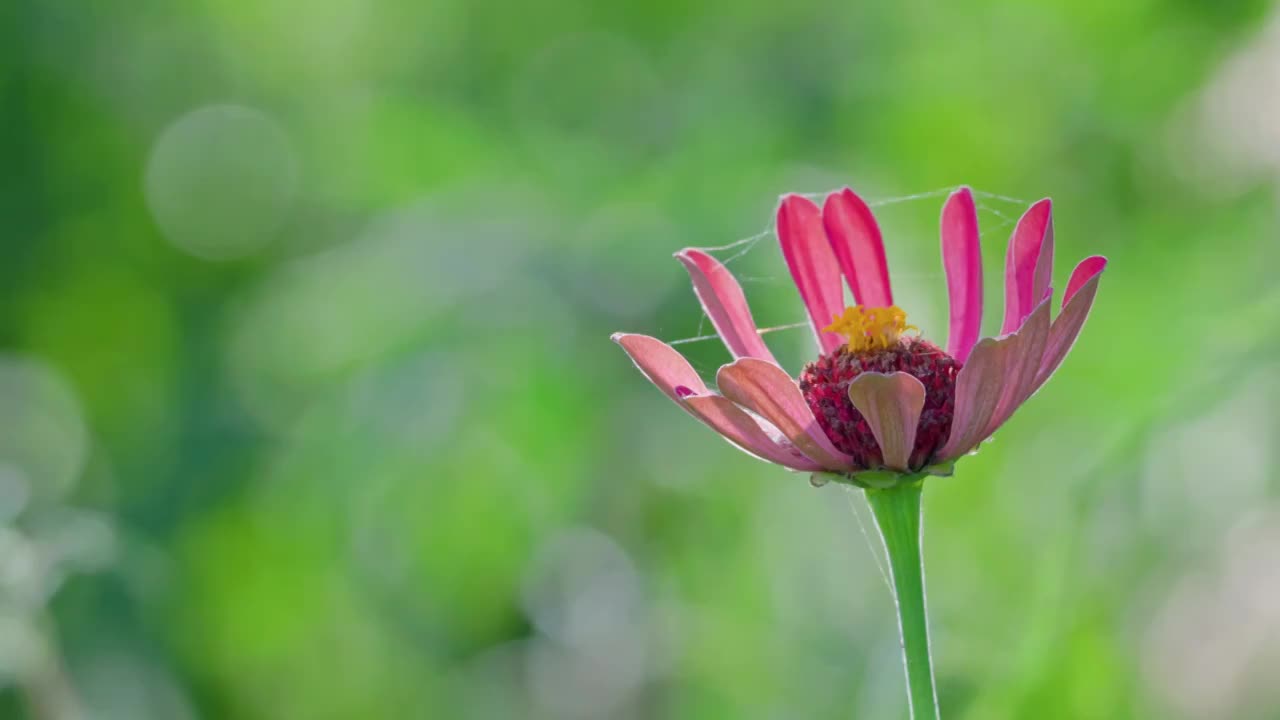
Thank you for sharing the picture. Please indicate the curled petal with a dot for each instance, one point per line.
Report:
(1024, 365)
(1000, 376)
(1085, 271)
(1078, 300)
(664, 367)
(768, 391)
(1028, 264)
(962, 260)
(722, 298)
(891, 404)
(813, 265)
(855, 239)
(978, 389)
(673, 375)
(745, 431)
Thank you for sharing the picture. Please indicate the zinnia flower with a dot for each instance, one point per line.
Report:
(880, 403)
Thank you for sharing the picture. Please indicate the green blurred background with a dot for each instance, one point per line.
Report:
(308, 408)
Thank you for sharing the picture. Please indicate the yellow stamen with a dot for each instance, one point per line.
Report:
(871, 329)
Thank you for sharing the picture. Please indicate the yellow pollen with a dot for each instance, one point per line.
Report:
(871, 329)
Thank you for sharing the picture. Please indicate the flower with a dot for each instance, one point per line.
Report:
(880, 403)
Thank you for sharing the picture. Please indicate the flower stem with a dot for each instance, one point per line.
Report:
(897, 512)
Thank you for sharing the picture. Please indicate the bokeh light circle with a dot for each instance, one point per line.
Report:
(221, 180)
(43, 439)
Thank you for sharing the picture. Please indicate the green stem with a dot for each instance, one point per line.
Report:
(897, 513)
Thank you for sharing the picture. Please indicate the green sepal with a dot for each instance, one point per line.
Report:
(881, 479)
(943, 469)
(878, 478)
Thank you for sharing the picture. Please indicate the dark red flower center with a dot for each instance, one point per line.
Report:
(825, 383)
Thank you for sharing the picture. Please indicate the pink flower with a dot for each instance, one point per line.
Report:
(877, 399)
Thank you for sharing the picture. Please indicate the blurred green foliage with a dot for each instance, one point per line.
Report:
(309, 407)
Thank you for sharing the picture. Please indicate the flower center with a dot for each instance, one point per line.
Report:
(876, 344)
(871, 328)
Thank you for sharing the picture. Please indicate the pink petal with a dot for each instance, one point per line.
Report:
(999, 377)
(813, 265)
(664, 367)
(722, 298)
(746, 432)
(962, 260)
(1028, 264)
(855, 239)
(978, 390)
(1081, 291)
(770, 392)
(677, 380)
(891, 404)
(1024, 365)
(1083, 273)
